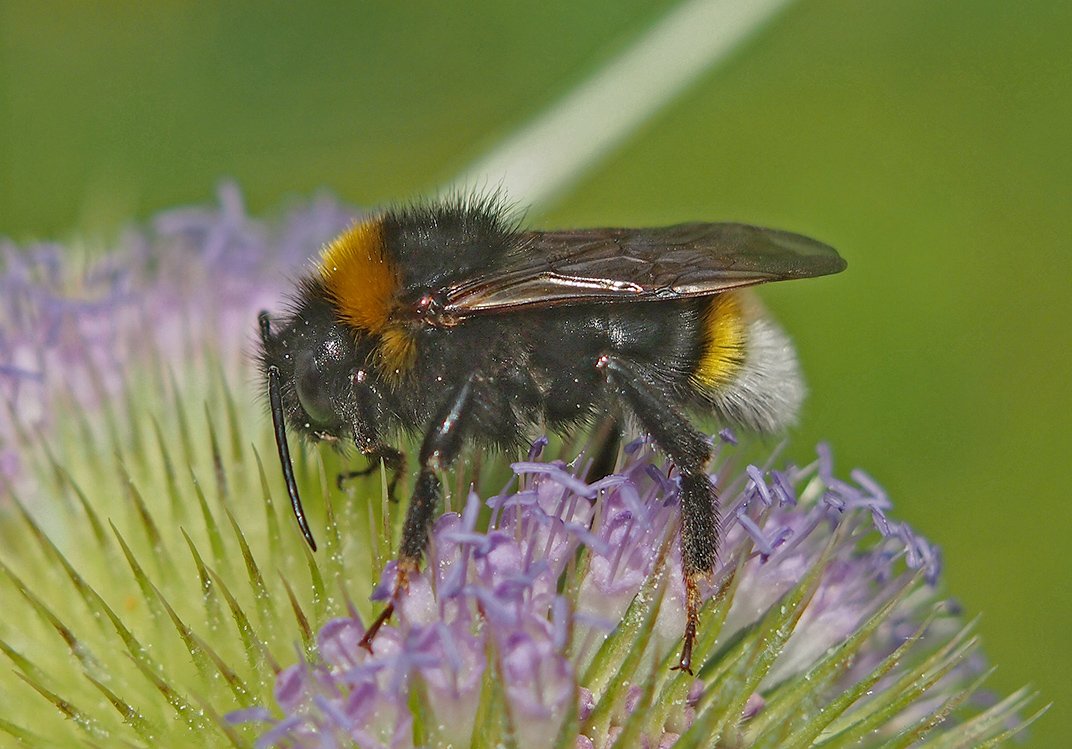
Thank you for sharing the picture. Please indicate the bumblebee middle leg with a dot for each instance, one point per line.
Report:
(603, 446)
(690, 451)
(441, 445)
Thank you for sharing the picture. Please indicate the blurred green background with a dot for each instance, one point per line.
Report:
(930, 142)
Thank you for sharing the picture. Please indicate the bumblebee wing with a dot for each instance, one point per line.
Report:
(618, 265)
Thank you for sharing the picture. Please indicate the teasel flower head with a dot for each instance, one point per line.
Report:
(156, 593)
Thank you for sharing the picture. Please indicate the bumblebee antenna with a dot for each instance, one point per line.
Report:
(275, 397)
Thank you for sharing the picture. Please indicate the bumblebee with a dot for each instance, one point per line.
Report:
(449, 319)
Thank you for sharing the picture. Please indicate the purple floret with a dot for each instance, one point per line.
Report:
(490, 598)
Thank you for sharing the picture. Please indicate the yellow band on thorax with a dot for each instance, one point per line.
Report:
(360, 277)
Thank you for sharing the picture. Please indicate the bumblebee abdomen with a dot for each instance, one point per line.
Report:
(747, 369)
(567, 343)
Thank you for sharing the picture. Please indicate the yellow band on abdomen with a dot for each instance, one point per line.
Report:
(724, 335)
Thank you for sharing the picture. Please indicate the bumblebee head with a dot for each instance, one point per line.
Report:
(315, 356)
(315, 364)
(310, 368)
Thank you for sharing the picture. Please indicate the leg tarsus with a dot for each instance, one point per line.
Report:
(692, 620)
(379, 621)
(685, 662)
(406, 567)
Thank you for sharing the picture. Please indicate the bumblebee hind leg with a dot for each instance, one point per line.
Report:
(441, 445)
(690, 451)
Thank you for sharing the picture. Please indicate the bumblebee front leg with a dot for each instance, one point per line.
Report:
(393, 459)
(441, 445)
(690, 451)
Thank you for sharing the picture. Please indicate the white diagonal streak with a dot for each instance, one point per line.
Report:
(559, 147)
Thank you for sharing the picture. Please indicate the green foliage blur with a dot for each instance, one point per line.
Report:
(930, 142)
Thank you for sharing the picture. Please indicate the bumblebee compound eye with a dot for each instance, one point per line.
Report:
(313, 389)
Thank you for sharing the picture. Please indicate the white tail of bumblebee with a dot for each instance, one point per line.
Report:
(767, 390)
